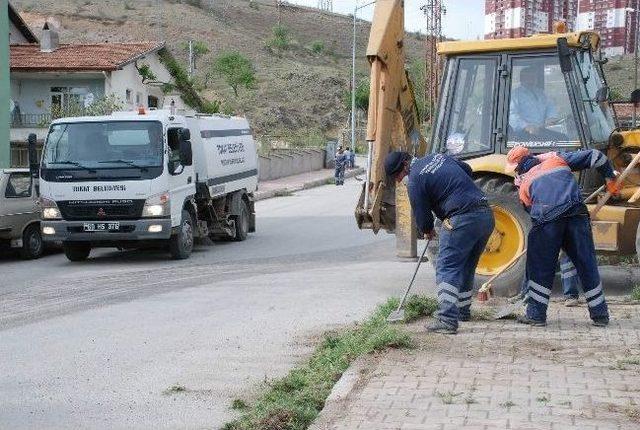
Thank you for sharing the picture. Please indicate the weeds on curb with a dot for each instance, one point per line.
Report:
(635, 293)
(293, 402)
(283, 193)
(174, 389)
(239, 405)
(419, 306)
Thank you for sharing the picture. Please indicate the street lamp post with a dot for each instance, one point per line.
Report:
(356, 8)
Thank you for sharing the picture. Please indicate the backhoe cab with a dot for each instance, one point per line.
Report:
(545, 92)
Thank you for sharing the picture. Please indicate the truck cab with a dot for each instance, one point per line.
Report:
(20, 213)
(133, 179)
(545, 92)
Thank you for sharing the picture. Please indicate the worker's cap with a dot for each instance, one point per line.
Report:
(394, 162)
(514, 156)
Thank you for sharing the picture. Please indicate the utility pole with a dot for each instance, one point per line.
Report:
(191, 62)
(5, 151)
(433, 11)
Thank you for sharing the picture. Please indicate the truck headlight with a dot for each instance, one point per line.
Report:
(157, 206)
(50, 209)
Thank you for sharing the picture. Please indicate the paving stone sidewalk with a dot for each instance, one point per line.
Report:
(502, 375)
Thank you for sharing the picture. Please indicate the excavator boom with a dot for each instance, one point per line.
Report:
(392, 126)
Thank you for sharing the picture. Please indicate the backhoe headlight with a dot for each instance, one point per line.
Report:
(157, 206)
(50, 209)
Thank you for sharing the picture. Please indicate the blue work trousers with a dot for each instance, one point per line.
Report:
(569, 276)
(462, 241)
(573, 235)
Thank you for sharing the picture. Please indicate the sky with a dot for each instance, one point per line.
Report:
(464, 19)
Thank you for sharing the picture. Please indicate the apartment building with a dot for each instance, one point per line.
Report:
(615, 20)
(519, 18)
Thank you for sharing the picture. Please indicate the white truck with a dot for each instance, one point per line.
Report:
(136, 179)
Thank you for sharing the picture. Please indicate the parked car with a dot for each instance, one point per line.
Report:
(20, 213)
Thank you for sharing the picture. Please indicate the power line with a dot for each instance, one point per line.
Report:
(326, 5)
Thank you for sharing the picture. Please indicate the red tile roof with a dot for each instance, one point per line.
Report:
(79, 57)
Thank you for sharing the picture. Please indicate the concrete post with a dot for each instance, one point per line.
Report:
(406, 232)
(5, 152)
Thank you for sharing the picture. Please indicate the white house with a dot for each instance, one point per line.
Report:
(49, 77)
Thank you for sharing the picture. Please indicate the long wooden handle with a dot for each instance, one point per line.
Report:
(619, 180)
(501, 271)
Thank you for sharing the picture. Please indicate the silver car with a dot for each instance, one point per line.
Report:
(20, 213)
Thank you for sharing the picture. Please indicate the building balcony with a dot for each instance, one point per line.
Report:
(30, 120)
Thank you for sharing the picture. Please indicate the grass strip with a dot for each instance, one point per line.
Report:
(294, 401)
(418, 306)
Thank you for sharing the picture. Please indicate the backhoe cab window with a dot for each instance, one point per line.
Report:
(540, 112)
(470, 126)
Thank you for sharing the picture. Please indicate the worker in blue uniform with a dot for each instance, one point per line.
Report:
(560, 219)
(443, 185)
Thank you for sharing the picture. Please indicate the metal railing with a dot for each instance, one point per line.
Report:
(24, 120)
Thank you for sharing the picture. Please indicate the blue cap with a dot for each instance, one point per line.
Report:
(394, 161)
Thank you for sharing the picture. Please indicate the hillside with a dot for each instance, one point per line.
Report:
(299, 93)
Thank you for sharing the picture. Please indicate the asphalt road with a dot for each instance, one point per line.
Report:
(98, 344)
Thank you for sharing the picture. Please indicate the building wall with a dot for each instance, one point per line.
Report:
(519, 18)
(610, 18)
(15, 36)
(4, 85)
(128, 82)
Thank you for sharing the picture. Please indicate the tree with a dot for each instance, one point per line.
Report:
(236, 70)
(362, 96)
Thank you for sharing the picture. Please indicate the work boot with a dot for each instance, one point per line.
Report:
(571, 302)
(464, 318)
(439, 326)
(600, 321)
(529, 321)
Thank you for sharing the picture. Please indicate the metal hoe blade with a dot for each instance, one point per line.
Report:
(396, 316)
(509, 309)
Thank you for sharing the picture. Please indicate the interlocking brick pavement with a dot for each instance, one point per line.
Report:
(503, 375)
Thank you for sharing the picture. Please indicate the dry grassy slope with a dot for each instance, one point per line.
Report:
(296, 92)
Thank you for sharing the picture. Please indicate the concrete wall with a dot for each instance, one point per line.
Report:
(287, 162)
(4, 84)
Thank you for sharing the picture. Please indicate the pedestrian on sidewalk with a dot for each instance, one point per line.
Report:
(560, 219)
(341, 161)
(347, 154)
(444, 185)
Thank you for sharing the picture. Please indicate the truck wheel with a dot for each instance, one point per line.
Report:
(508, 238)
(76, 251)
(181, 243)
(32, 245)
(242, 223)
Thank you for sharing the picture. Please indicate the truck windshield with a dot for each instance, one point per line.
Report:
(100, 145)
(599, 115)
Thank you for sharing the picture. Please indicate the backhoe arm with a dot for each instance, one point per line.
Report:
(393, 119)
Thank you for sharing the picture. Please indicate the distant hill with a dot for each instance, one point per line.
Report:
(300, 91)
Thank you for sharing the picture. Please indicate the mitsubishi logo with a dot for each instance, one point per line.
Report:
(101, 212)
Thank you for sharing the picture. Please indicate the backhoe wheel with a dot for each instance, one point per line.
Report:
(507, 240)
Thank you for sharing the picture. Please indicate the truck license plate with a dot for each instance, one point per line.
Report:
(101, 226)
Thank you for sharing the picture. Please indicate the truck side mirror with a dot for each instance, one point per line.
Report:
(635, 96)
(564, 54)
(34, 163)
(185, 134)
(186, 153)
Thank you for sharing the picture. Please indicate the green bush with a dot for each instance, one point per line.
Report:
(280, 38)
(236, 70)
(362, 96)
(317, 47)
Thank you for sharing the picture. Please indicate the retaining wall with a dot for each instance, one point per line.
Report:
(286, 162)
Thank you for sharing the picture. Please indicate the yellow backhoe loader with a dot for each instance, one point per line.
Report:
(547, 92)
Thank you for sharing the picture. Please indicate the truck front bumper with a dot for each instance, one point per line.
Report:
(130, 230)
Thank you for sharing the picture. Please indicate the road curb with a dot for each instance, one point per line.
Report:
(263, 195)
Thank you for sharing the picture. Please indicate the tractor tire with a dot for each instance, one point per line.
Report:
(511, 220)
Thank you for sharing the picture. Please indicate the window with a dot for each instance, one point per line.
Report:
(470, 126)
(18, 186)
(65, 100)
(127, 95)
(599, 116)
(540, 112)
